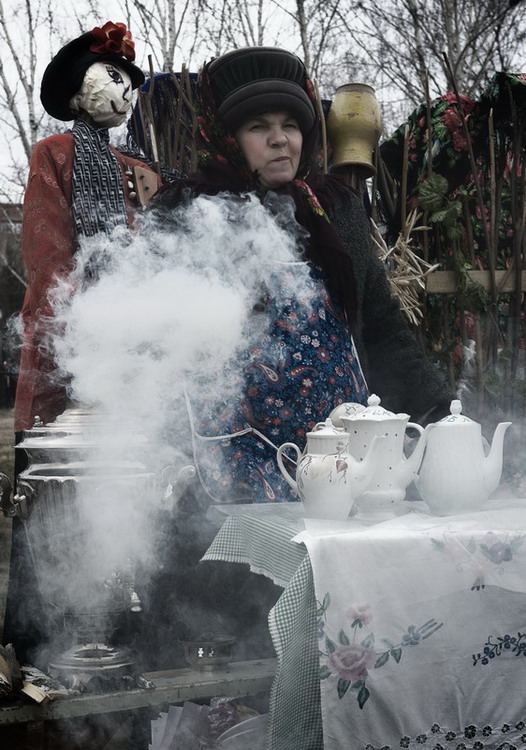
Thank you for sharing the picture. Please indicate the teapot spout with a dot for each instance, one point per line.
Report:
(493, 461)
(363, 472)
(408, 468)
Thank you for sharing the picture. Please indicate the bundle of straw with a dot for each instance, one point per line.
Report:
(406, 270)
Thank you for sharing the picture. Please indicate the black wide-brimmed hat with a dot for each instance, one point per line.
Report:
(65, 73)
(252, 80)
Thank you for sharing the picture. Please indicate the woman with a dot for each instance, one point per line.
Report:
(259, 130)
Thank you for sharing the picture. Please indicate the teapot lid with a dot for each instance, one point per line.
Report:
(375, 411)
(455, 417)
(347, 409)
(325, 429)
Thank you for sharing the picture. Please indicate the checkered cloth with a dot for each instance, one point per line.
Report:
(260, 535)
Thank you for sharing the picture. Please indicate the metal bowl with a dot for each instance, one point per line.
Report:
(209, 652)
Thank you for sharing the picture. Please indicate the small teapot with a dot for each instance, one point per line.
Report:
(394, 471)
(328, 478)
(456, 475)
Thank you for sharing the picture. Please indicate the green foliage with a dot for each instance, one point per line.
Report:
(331, 647)
(343, 687)
(474, 296)
(382, 659)
(363, 695)
(433, 194)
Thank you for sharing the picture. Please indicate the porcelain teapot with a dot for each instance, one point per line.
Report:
(328, 478)
(394, 470)
(456, 475)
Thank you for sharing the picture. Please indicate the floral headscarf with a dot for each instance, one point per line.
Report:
(217, 144)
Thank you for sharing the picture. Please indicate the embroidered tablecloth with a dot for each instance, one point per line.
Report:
(409, 632)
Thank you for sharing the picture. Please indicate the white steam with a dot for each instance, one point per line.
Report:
(169, 309)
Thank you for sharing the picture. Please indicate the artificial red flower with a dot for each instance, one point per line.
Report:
(467, 104)
(114, 38)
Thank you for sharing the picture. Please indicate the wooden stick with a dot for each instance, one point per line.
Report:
(323, 127)
(403, 191)
(473, 164)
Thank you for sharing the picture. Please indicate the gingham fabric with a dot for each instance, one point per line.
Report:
(260, 535)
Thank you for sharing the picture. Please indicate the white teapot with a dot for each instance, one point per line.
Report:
(328, 478)
(456, 475)
(394, 470)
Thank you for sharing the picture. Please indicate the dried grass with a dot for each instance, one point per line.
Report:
(406, 270)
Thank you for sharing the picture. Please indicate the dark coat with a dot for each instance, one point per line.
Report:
(394, 362)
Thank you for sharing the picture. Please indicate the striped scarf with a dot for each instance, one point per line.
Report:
(97, 183)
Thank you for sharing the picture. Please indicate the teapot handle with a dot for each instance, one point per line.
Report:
(415, 426)
(284, 471)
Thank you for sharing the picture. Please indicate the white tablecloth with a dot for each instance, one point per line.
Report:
(422, 630)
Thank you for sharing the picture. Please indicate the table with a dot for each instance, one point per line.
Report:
(115, 708)
(405, 632)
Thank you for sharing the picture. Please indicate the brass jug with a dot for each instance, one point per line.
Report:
(354, 126)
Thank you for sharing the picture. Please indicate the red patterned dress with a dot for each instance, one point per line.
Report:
(48, 245)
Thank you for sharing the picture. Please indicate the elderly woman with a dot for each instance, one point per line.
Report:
(259, 130)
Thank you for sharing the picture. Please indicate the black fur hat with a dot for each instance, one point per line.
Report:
(65, 73)
(252, 80)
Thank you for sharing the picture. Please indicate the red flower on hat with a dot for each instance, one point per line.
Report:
(114, 38)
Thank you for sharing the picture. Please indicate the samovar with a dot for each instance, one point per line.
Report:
(64, 489)
(354, 126)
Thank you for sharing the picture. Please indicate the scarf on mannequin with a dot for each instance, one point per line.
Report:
(223, 168)
(97, 188)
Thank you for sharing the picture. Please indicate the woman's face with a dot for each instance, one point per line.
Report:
(271, 143)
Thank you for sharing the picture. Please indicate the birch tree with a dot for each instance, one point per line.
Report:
(409, 47)
(167, 29)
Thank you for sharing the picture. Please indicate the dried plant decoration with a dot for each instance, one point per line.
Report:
(406, 270)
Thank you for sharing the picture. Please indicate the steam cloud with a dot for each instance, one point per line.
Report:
(167, 311)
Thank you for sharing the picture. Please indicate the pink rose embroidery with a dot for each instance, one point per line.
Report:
(361, 614)
(351, 662)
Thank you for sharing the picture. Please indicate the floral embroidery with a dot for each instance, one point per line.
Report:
(495, 549)
(498, 550)
(350, 661)
(513, 644)
(444, 738)
(312, 199)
